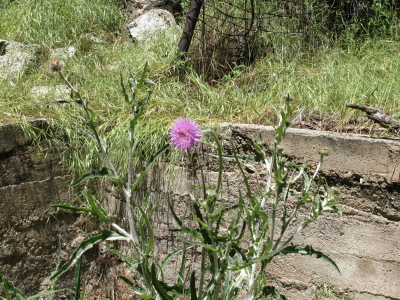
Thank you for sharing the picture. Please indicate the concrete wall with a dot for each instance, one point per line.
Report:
(364, 241)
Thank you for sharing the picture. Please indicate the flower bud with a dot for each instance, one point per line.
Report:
(56, 65)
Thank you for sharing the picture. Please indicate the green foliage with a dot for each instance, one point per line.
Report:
(10, 289)
(237, 240)
(55, 23)
(329, 291)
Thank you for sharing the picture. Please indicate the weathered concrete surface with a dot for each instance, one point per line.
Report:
(31, 179)
(365, 241)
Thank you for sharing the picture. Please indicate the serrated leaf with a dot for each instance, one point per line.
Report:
(252, 261)
(126, 96)
(97, 210)
(308, 250)
(171, 255)
(292, 119)
(123, 256)
(150, 242)
(104, 172)
(184, 229)
(85, 246)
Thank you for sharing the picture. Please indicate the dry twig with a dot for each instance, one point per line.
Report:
(378, 116)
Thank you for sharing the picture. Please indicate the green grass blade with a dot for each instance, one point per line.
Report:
(51, 292)
(73, 208)
(193, 291)
(77, 279)
(9, 286)
(156, 284)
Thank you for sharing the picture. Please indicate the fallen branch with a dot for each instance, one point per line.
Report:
(378, 116)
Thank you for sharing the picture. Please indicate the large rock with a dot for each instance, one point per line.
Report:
(150, 23)
(64, 53)
(16, 58)
(53, 93)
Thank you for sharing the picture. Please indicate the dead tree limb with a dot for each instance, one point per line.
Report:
(378, 116)
(190, 25)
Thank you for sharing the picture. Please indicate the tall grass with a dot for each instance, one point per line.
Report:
(58, 23)
(359, 72)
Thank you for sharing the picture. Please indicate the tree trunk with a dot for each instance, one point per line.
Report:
(190, 25)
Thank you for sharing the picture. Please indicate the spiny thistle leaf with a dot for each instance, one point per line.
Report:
(308, 250)
(94, 174)
(85, 246)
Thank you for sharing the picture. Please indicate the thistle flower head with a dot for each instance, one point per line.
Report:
(185, 134)
(56, 65)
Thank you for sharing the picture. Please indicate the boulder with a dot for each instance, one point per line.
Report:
(16, 58)
(55, 93)
(148, 24)
(64, 53)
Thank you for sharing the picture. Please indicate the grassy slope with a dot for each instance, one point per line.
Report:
(363, 74)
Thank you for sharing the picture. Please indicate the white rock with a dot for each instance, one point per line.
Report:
(64, 53)
(148, 24)
(94, 38)
(54, 93)
(15, 58)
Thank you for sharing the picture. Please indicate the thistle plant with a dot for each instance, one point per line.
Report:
(237, 239)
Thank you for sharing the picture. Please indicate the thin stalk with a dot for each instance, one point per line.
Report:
(287, 242)
(122, 231)
(221, 274)
(126, 190)
(202, 273)
(273, 214)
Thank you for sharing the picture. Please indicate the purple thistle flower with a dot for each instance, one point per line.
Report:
(185, 134)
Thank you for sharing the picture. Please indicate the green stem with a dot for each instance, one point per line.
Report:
(219, 150)
(202, 272)
(126, 190)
